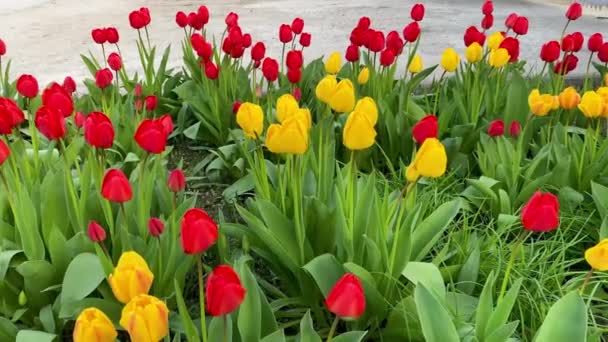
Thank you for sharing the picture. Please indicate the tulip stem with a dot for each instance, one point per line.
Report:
(587, 72)
(586, 281)
(332, 330)
(201, 296)
(516, 247)
(225, 328)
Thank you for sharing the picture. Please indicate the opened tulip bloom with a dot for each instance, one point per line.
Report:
(290, 137)
(92, 325)
(569, 98)
(131, 277)
(541, 213)
(198, 231)
(541, 105)
(597, 256)
(499, 58)
(334, 63)
(152, 134)
(146, 319)
(57, 97)
(250, 118)
(473, 53)
(347, 299)
(426, 128)
(450, 60)
(430, 161)
(116, 187)
(592, 104)
(224, 292)
(363, 77)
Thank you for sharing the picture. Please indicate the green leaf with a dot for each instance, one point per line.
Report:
(351, 336)
(216, 328)
(600, 197)
(82, 277)
(8, 330)
(191, 332)
(5, 261)
(326, 271)
(428, 231)
(437, 325)
(467, 278)
(485, 308)
(109, 307)
(34, 336)
(503, 333)
(566, 321)
(249, 318)
(277, 336)
(307, 330)
(426, 274)
(26, 218)
(503, 310)
(47, 319)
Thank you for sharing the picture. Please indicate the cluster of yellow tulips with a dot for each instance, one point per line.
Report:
(144, 317)
(592, 104)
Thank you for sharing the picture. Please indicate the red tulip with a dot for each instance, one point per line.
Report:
(137, 19)
(79, 119)
(569, 63)
(352, 53)
(235, 107)
(227, 46)
(377, 41)
(195, 21)
(114, 61)
(2, 48)
(387, 57)
(99, 36)
(205, 52)
(98, 130)
(496, 128)
(364, 23)
(151, 135)
(112, 35)
(138, 90)
(487, 8)
(139, 104)
(367, 37)
(347, 299)
(27, 86)
(197, 41)
(579, 40)
(181, 19)
(595, 42)
(176, 181)
(541, 213)
(394, 42)
(521, 26)
(487, 22)
(151, 102)
(211, 71)
(426, 128)
(512, 45)
(236, 35)
(57, 97)
(285, 34)
(270, 69)
(203, 14)
(305, 39)
(145, 12)
(297, 94)
(258, 51)
(96, 232)
(514, 129)
(294, 59)
(294, 75)
(5, 152)
(602, 54)
(473, 35)
(232, 19)
(246, 40)
(11, 116)
(69, 85)
(116, 187)
(357, 36)
(417, 12)
(297, 25)
(575, 11)
(50, 122)
(411, 32)
(103, 78)
(550, 52)
(224, 292)
(155, 226)
(568, 43)
(511, 19)
(199, 231)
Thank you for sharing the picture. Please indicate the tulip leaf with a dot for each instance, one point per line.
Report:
(82, 277)
(26, 219)
(47, 319)
(5, 261)
(249, 318)
(426, 274)
(191, 332)
(216, 328)
(351, 336)
(8, 330)
(566, 320)
(437, 325)
(326, 271)
(428, 231)
(467, 278)
(34, 336)
(277, 336)
(307, 330)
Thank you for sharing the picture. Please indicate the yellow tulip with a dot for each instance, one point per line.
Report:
(146, 319)
(494, 40)
(473, 53)
(333, 64)
(416, 65)
(289, 137)
(92, 325)
(343, 99)
(286, 106)
(326, 88)
(450, 60)
(430, 161)
(304, 116)
(597, 256)
(592, 104)
(368, 106)
(499, 58)
(603, 92)
(359, 132)
(363, 77)
(131, 277)
(569, 98)
(541, 105)
(250, 118)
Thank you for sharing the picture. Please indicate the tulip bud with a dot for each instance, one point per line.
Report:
(294, 75)
(376, 41)
(427, 127)
(521, 26)
(22, 299)
(203, 14)
(602, 54)
(115, 187)
(258, 51)
(472, 35)
(285, 34)
(487, 22)
(411, 32)
(333, 64)
(114, 61)
(579, 40)
(79, 119)
(155, 226)
(541, 213)
(514, 129)
(550, 51)
(512, 46)
(235, 107)
(364, 23)
(69, 85)
(198, 230)
(511, 19)
(131, 277)
(250, 118)
(176, 181)
(211, 71)
(352, 53)
(112, 35)
(224, 292)
(297, 25)
(575, 11)
(496, 128)
(450, 60)
(305, 39)
(270, 69)
(98, 130)
(151, 102)
(387, 58)
(363, 77)
(416, 65)
(232, 19)
(294, 59)
(592, 104)
(297, 94)
(2, 48)
(99, 36)
(359, 132)
(50, 122)
(487, 8)
(96, 232)
(473, 53)
(499, 58)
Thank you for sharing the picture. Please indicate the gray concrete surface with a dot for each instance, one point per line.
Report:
(45, 38)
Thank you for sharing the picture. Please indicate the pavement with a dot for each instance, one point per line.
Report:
(46, 38)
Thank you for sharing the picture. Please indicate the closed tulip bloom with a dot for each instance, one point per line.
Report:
(579, 41)
(270, 69)
(359, 132)
(347, 298)
(112, 35)
(287, 105)
(473, 35)
(595, 42)
(430, 161)
(247, 40)
(285, 34)
(27, 86)
(387, 57)
(69, 85)
(11, 116)
(426, 128)
(116, 187)
(92, 325)
(131, 277)
(96, 232)
(258, 51)
(541, 213)
(510, 20)
(250, 118)
(326, 88)
(473, 53)
(411, 32)
(521, 26)
(487, 22)
(499, 58)
(103, 78)
(450, 60)
(377, 41)
(2, 48)
(294, 59)
(495, 40)
(575, 11)
(304, 116)
(569, 63)
(79, 119)
(416, 64)
(603, 92)
(151, 135)
(550, 51)
(198, 231)
(305, 39)
(203, 14)
(417, 12)
(514, 129)
(114, 61)
(496, 128)
(367, 106)
(50, 123)
(155, 226)
(602, 54)
(333, 64)
(57, 97)
(98, 130)
(394, 42)
(146, 319)
(176, 181)
(512, 46)
(363, 77)
(541, 105)
(211, 71)
(223, 292)
(195, 21)
(99, 36)
(297, 25)
(569, 98)
(181, 19)
(290, 137)
(5, 152)
(343, 100)
(151, 101)
(487, 8)
(592, 104)
(352, 53)
(232, 19)
(597, 256)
